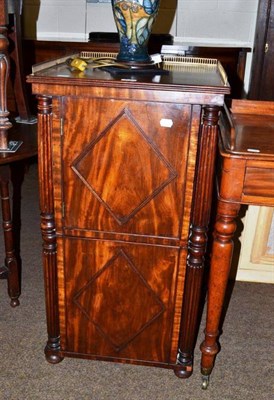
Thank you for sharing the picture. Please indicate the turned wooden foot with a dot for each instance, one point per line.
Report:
(52, 351)
(185, 365)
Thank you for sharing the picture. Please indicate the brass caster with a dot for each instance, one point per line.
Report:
(205, 381)
(14, 302)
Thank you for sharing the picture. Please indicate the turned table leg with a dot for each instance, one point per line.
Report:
(11, 268)
(222, 251)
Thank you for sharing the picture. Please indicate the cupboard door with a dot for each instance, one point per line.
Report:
(120, 300)
(261, 77)
(125, 166)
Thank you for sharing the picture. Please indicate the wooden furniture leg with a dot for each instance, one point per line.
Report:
(10, 270)
(198, 241)
(222, 251)
(52, 348)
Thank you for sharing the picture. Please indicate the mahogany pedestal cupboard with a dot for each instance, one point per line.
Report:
(126, 165)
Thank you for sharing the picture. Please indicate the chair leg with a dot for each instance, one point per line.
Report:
(11, 269)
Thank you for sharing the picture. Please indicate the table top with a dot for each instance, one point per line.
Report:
(185, 73)
(248, 131)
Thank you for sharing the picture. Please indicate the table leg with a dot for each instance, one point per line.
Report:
(10, 270)
(222, 251)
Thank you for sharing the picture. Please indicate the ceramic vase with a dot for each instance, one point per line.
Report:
(134, 20)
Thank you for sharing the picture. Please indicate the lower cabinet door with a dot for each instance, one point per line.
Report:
(120, 300)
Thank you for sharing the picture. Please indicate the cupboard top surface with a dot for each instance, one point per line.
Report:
(197, 76)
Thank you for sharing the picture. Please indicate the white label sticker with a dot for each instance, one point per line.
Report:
(166, 123)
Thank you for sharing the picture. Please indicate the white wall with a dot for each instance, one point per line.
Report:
(224, 22)
(54, 19)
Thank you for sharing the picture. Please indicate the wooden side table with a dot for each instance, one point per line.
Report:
(12, 170)
(17, 144)
(247, 177)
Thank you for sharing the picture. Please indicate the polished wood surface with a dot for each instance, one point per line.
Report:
(184, 80)
(3, 13)
(126, 170)
(246, 177)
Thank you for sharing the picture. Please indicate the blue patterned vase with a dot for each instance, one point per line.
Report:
(134, 20)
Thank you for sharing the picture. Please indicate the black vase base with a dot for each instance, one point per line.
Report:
(135, 71)
(137, 64)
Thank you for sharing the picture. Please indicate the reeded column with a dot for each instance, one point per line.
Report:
(48, 228)
(198, 239)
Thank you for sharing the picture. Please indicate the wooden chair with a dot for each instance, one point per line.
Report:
(18, 142)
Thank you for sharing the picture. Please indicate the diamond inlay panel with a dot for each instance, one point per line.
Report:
(119, 302)
(123, 169)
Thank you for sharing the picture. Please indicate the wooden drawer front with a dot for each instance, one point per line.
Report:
(259, 182)
(125, 166)
(119, 300)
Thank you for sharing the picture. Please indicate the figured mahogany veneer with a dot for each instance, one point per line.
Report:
(246, 177)
(126, 173)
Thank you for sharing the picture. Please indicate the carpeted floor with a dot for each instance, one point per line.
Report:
(244, 368)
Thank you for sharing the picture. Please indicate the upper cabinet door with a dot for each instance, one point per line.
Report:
(262, 78)
(128, 167)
